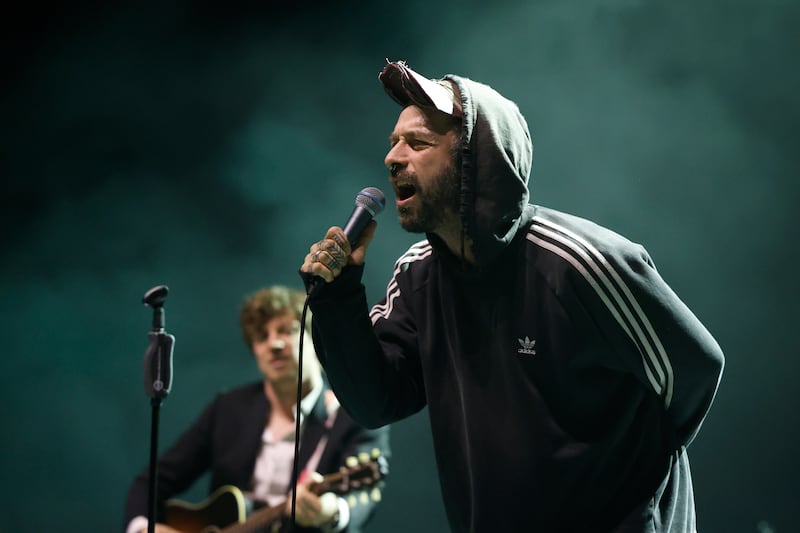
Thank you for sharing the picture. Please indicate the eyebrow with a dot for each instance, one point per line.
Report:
(412, 132)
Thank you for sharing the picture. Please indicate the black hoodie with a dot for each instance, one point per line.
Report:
(563, 377)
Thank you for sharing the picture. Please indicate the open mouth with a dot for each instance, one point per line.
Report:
(404, 190)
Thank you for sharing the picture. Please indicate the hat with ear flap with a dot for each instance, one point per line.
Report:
(407, 87)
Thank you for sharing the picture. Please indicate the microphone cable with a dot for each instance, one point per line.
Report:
(368, 203)
(298, 412)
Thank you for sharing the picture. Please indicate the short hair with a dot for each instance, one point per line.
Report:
(267, 303)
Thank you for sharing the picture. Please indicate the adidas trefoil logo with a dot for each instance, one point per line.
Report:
(527, 346)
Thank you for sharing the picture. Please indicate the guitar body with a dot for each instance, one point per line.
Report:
(226, 506)
(226, 510)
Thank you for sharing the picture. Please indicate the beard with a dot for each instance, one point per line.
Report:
(436, 205)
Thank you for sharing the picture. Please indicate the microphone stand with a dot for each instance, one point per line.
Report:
(157, 384)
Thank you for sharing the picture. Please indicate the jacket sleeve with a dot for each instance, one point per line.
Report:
(374, 371)
(653, 334)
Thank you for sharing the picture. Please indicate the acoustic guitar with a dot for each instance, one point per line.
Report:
(225, 511)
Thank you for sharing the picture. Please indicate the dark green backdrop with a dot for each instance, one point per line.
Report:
(206, 148)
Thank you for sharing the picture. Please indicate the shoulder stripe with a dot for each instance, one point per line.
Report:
(614, 293)
(416, 252)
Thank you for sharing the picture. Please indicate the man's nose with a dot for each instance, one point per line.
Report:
(395, 158)
(277, 344)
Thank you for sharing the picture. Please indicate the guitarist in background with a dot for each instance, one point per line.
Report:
(246, 437)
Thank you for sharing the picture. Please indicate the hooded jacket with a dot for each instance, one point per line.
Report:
(563, 377)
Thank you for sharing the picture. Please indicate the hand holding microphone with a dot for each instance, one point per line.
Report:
(340, 247)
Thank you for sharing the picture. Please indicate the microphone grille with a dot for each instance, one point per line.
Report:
(371, 199)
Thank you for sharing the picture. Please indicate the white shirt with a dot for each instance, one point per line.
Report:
(273, 470)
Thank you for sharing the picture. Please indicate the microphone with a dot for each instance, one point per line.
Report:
(369, 202)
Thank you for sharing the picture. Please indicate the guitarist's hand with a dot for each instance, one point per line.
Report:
(312, 510)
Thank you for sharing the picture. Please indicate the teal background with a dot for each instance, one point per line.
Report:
(205, 148)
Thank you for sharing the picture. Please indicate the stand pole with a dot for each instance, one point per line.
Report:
(153, 489)
(157, 385)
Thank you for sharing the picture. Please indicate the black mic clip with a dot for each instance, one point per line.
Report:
(158, 355)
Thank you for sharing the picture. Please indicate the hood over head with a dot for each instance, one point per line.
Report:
(496, 152)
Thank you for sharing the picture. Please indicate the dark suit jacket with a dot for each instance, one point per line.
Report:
(226, 439)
